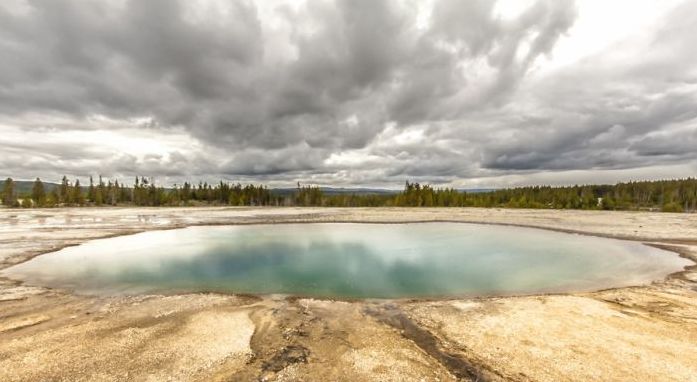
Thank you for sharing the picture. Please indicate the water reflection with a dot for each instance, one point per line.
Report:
(350, 260)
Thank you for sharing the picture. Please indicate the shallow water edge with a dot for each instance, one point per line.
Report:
(432, 226)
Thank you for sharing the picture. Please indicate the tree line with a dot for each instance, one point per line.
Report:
(678, 195)
(143, 192)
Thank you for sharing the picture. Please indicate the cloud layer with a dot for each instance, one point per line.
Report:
(356, 92)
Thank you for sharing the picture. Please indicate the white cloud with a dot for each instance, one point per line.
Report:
(349, 92)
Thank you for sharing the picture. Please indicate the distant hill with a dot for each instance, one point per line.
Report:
(369, 191)
(477, 190)
(338, 191)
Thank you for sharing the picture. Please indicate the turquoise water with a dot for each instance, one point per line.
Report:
(350, 260)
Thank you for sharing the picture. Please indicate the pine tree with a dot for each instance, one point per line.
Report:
(9, 196)
(91, 192)
(100, 194)
(38, 193)
(64, 191)
(76, 195)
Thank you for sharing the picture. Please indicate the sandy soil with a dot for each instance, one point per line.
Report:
(638, 333)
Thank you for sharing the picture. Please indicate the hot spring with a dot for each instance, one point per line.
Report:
(341, 260)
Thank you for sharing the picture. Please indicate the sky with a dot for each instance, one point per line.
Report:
(349, 93)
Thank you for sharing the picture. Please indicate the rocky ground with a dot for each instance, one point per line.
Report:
(638, 333)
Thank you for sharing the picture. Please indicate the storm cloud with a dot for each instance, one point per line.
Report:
(359, 92)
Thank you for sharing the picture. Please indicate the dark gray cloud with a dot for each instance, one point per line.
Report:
(345, 92)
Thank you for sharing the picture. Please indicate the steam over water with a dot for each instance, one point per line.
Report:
(350, 260)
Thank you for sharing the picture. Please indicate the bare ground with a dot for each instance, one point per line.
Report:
(638, 333)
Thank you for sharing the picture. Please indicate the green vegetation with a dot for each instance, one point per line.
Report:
(38, 193)
(665, 195)
(9, 194)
